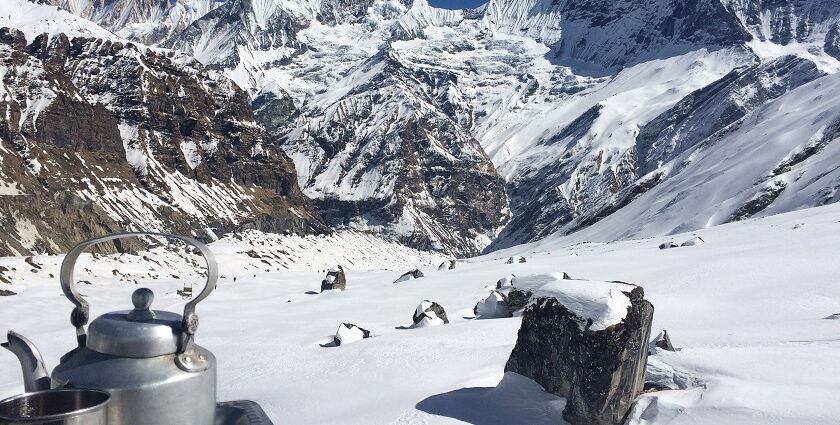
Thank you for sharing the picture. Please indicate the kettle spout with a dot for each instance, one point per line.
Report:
(35, 376)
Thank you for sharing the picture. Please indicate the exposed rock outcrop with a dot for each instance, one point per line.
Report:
(409, 275)
(586, 341)
(516, 260)
(832, 41)
(662, 341)
(668, 245)
(6, 293)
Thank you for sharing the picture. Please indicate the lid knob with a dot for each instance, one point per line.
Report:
(142, 300)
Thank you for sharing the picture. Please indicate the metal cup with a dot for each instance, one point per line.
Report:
(56, 407)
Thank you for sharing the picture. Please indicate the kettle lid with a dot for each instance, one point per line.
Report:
(137, 333)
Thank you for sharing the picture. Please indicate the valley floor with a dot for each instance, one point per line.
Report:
(747, 310)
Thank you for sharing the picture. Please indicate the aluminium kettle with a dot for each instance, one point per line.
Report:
(145, 359)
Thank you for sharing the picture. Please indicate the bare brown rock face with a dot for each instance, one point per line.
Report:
(600, 372)
(102, 136)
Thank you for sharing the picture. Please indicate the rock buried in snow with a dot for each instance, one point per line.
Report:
(662, 341)
(516, 259)
(6, 293)
(348, 332)
(410, 275)
(505, 281)
(586, 341)
(668, 245)
(697, 240)
(447, 265)
(493, 307)
(429, 313)
(335, 279)
(835, 316)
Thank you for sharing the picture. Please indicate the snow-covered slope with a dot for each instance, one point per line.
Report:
(147, 21)
(783, 156)
(35, 19)
(747, 311)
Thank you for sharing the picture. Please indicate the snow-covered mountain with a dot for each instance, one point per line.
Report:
(101, 135)
(464, 130)
(147, 21)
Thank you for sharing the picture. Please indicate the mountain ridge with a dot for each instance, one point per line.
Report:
(570, 110)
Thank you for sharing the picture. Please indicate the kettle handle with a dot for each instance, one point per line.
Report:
(81, 314)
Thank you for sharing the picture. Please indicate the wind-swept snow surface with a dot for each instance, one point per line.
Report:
(746, 311)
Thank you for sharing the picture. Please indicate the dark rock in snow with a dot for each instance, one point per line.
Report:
(598, 365)
(835, 316)
(516, 259)
(697, 240)
(518, 298)
(410, 275)
(654, 386)
(668, 245)
(832, 41)
(348, 332)
(662, 341)
(6, 293)
(335, 279)
(429, 313)
(505, 281)
(447, 265)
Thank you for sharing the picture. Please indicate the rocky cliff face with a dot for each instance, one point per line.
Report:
(606, 35)
(390, 150)
(390, 155)
(786, 21)
(126, 138)
(254, 25)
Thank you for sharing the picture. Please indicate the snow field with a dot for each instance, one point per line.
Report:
(746, 310)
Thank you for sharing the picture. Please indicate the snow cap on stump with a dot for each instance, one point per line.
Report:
(586, 341)
(429, 313)
(410, 275)
(335, 279)
(348, 332)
